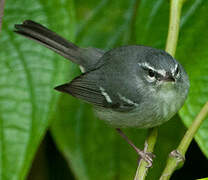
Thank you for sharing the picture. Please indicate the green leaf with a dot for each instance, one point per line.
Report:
(192, 51)
(28, 74)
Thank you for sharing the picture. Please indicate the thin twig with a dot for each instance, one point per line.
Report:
(1, 12)
(149, 147)
(173, 30)
(173, 162)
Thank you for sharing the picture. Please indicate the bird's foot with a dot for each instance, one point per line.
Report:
(178, 156)
(146, 156)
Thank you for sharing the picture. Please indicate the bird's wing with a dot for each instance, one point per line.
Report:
(84, 88)
(87, 89)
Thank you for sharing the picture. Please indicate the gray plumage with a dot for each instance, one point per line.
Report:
(129, 86)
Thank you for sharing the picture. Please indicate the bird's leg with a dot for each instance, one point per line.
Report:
(146, 156)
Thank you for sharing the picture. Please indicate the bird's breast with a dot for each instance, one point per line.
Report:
(148, 113)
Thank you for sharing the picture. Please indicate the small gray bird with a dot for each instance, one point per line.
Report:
(129, 86)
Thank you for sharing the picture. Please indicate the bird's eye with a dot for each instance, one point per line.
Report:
(151, 73)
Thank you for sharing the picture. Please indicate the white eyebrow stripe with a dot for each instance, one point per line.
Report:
(160, 71)
(145, 64)
(174, 70)
(176, 66)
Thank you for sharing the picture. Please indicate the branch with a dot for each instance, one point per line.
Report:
(1, 12)
(149, 147)
(173, 162)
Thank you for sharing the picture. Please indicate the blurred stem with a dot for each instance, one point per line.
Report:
(172, 39)
(174, 23)
(183, 146)
(1, 12)
(132, 37)
(173, 162)
(149, 147)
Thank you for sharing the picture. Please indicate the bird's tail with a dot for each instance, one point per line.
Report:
(53, 41)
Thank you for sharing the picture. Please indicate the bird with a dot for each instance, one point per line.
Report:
(132, 86)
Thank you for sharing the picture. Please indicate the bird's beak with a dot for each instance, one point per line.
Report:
(168, 78)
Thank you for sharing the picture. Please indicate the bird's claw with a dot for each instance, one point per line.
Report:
(179, 157)
(147, 157)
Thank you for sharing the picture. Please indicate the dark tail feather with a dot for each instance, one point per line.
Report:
(43, 35)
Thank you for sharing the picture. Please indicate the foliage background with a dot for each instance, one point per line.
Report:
(29, 106)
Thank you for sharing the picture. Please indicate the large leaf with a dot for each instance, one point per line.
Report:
(28, 75)
(192, 51)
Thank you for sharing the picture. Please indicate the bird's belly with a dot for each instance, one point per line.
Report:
(147, 114)
(139, 118)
